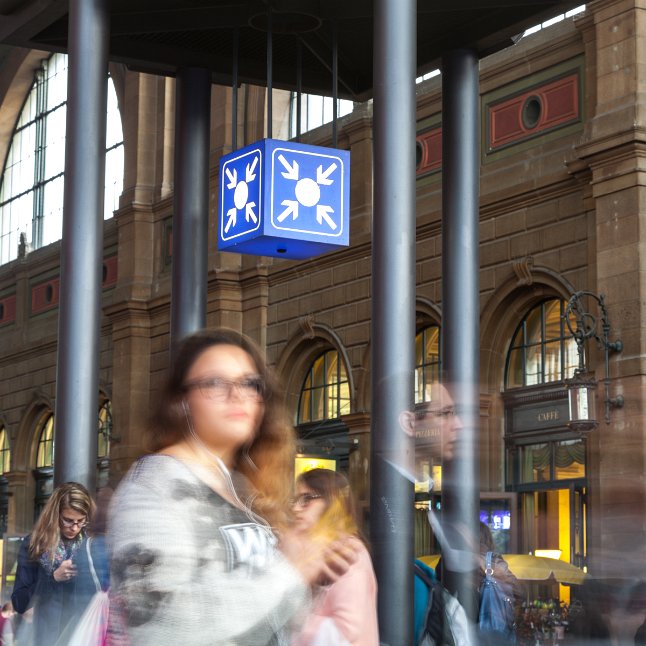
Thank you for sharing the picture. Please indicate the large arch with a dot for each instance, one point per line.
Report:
(311, 340)
(525, 287)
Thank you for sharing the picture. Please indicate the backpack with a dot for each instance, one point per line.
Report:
(441, 619)
(496, 620)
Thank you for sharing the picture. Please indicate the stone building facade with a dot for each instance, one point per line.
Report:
(562, 135)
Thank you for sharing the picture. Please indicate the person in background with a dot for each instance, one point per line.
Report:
(52, 575)
(345, 610)
(193, 527)
(6, 624)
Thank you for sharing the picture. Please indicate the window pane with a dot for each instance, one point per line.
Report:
(304, 407)
(53, 215)
(318, 372)
(515, 371)
(533, 326)
(105, 430)
(534, 368)
(569, 459)
(534, 463)
(553, 320)
(45, 455)
(427, 362)
(56, 81)
(55, 143)
(37, 154)
(553, 361)
(549, 351)
(318, 404)
(5, 452)
(326, 392)
(344, 403)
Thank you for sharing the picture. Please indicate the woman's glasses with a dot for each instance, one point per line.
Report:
(219, 389)
(304, 499)
(69, 523)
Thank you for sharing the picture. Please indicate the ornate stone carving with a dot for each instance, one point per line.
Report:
(307, 325)
(523, 270)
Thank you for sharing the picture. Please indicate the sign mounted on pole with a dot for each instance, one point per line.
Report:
(284, 199)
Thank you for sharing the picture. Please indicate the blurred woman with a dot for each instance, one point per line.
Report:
(345, 610)
(53, 575)
(191, 527)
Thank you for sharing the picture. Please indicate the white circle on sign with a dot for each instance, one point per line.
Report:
(241, 194)
(308, 192)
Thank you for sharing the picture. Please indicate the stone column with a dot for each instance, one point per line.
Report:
(615, 137)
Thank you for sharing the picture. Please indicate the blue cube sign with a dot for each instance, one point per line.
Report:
(284, 199)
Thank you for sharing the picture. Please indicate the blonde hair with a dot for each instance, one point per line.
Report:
(339, 517)
(47, 533)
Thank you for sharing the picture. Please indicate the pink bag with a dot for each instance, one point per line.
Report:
(92, 627)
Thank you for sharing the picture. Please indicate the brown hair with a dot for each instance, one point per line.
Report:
(486, 539)
(47, 533)
(335, 489)
(268, 459)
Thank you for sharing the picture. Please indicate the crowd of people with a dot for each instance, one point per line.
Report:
(209, 539)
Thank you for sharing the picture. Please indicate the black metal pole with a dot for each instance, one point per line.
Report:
(460, 299)
(234, 92)
(270, 72)
(299, 87)
(191, 212)
(393, 315)
(335, 83)
(77, 372)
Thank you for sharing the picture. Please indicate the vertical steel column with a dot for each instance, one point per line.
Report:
(77, 372)
(460, 294)
(191, 203)
(393, 314)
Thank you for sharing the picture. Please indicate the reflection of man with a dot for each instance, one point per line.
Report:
(435, 425)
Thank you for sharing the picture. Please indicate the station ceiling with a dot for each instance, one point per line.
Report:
(160, 36)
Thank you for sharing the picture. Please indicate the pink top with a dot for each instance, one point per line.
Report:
(351, 602)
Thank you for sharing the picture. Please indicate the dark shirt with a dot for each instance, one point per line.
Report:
(56, 604)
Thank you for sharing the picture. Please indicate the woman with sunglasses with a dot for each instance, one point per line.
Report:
(345, 610)
(53, 574)
(193, 527)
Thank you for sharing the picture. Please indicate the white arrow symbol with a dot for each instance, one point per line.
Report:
(233, 177)
(249, 214)
(231, 214)
(322, 177)
(292, 207)
(322, 214)
(292, 171)
(250, 175)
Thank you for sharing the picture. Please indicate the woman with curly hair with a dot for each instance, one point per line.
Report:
(193, 526)
(53, 575)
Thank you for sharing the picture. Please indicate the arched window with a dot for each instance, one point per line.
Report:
(44, 471)
(427, 362)
(105, 430)
(326, 391)
(5, 451)
(45, 452)
(5, 465)
(103, 444)
(31, 188)
(542, 350)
